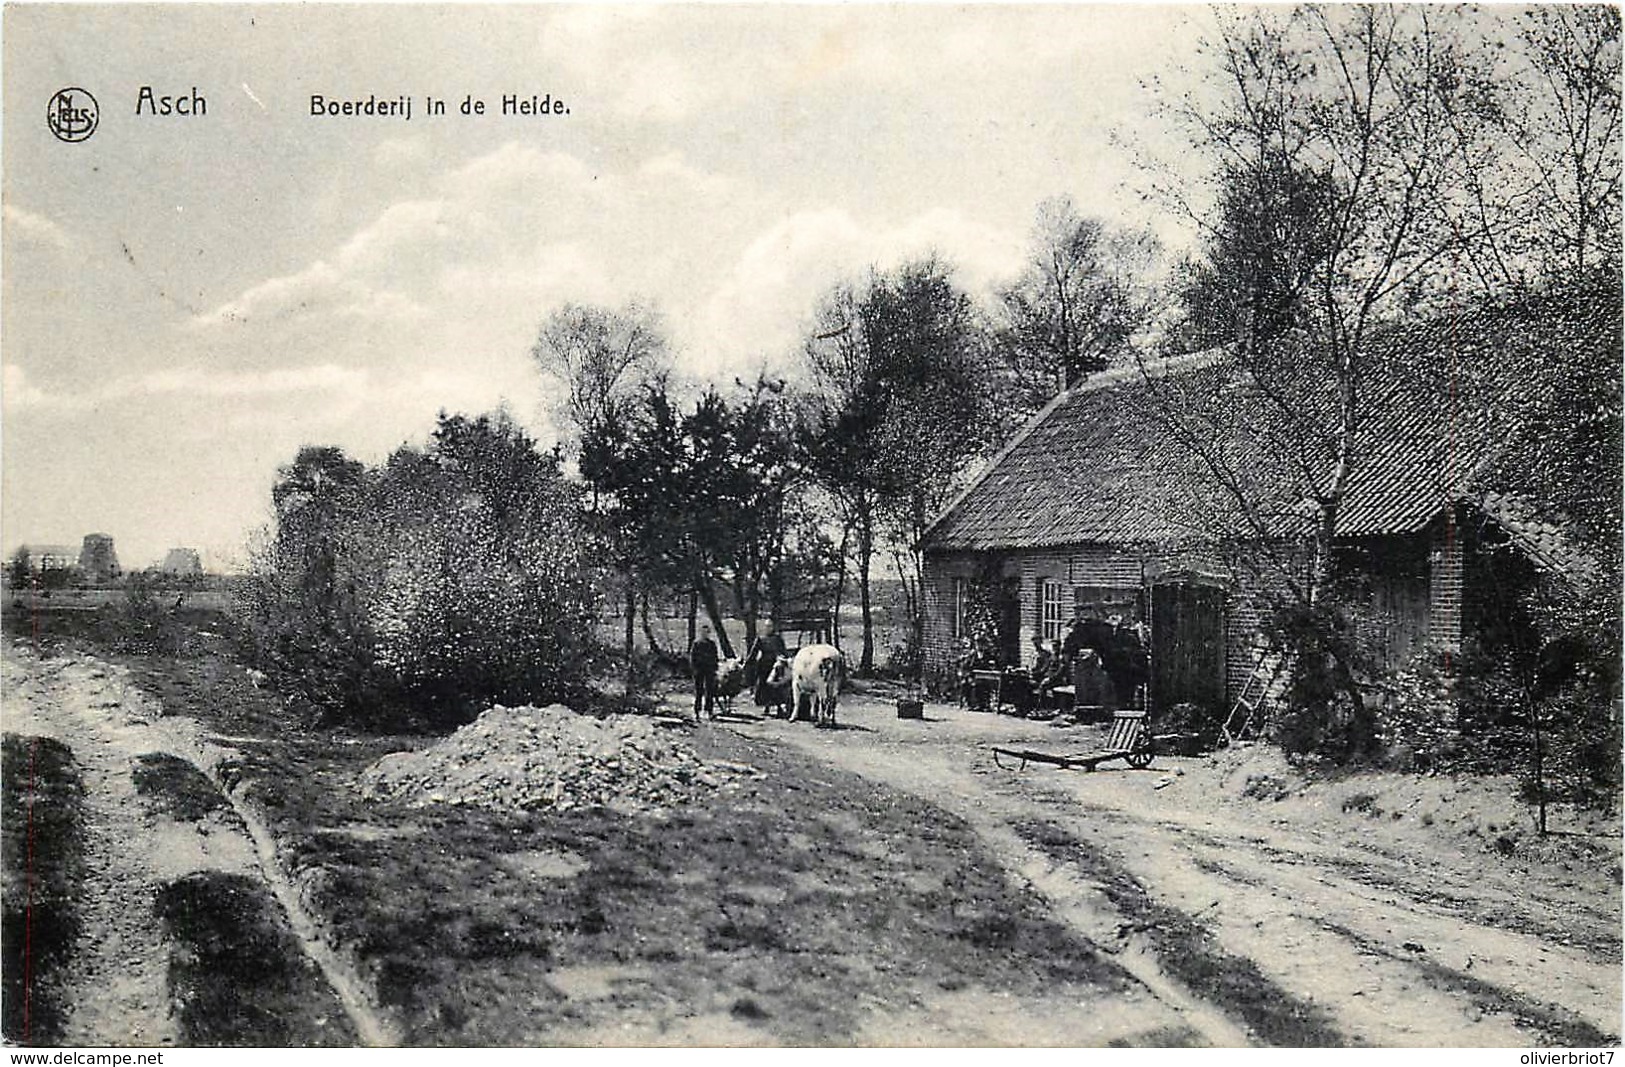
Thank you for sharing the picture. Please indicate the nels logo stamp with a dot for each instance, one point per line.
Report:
(72, 114)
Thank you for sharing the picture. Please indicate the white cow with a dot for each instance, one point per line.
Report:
(816, 676)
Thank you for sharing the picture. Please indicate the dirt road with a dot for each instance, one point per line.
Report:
(117, 984)
(1393, 907)
(1250, 906)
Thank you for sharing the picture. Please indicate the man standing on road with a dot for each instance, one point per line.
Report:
(702, 659)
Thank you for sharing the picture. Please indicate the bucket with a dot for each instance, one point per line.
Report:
(911, 709)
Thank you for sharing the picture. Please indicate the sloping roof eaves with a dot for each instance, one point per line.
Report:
(1094, 468)
(1544, 542)
(1031, 510)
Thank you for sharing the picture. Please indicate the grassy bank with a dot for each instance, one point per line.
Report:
(237, 975)
(42, 814)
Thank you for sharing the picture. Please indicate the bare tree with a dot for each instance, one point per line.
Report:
(1331, 136)
(1335, 141)
(1565, 128)
(601, 357)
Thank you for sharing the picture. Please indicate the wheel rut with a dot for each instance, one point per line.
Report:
(118, 985)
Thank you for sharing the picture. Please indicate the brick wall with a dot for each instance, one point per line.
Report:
(1098, 570)
(937, 602)
(1101, 567)
(1445, 588)
(1093, 567)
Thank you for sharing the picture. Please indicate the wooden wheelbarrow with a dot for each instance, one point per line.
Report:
(1128, 741)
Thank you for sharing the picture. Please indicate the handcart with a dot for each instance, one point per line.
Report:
(1129, 741)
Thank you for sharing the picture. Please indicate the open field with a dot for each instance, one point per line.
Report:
(92, 599)
(881, 883)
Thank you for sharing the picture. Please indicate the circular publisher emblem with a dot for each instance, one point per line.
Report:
(72, 114)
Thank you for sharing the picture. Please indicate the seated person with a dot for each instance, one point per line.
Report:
(1093, 684)
(1048, 671)
(1042, 657)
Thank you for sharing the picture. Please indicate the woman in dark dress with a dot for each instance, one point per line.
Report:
(759, 662)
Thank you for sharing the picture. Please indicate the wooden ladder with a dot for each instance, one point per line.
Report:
(1245, 720)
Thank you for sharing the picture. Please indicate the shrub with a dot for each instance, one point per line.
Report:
(1418, 727)
(1326, 716)
(452, 577)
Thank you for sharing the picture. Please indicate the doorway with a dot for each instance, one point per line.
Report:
(1187, 646)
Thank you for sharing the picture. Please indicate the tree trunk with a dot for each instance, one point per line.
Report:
(631, 610)
(1540, 757)
(1331, 501)
(915, 588)
(649, 633)
(866, 551)
(714, 611)
(840, 586)
(693, 615)
(748, 595)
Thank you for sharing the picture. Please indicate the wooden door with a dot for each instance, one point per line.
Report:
(1010, 624)
(1187, 646)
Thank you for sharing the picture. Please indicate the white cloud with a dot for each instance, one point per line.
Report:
(18, 393)
(474, 267)
(197, 382)
(761, 307)
(25, 225)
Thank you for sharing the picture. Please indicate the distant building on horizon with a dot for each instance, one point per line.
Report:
(97, 559)
(49, 557)
(181, 563)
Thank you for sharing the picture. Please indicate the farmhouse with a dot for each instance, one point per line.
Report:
(1180, 492)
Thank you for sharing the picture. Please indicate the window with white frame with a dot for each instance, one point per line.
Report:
(1052, 616)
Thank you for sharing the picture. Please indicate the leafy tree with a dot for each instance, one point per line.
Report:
(1076, 303)
(483, 595)
(839, 440)
(701, 497)
(450, 577)
(900, 407)
(302, 604)
(20, 568)
(752, 464)
(1271, 231)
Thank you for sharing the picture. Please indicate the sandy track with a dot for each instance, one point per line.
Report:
(1404, 940)
(117, 980)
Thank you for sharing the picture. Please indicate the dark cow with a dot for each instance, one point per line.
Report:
(777, 688)
(730, 681)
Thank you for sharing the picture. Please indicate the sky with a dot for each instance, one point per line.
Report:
(186, 300)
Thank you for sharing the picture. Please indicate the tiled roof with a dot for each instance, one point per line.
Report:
(1542, 540)
(1130, 455)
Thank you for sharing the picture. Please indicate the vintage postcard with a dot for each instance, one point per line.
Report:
(862, 524)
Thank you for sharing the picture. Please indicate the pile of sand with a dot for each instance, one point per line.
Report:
(527, 757)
